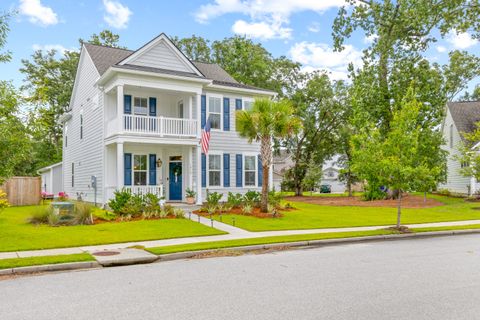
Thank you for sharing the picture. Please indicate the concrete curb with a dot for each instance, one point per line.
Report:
(51, 267)
(318, 243)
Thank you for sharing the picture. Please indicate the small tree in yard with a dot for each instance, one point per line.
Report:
(267, 120)
(397, 159)
(312, 178)
(469, 154)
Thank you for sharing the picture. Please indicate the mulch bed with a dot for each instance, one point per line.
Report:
(238, 211)
(408, 201)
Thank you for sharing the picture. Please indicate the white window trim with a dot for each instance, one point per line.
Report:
(450, 137)
(219, 96)
(214, 153)
(147, 114)
(250, 154)
(65, 135)
(246, 100)
(133, 169)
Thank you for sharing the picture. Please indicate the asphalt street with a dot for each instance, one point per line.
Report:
(433, 278)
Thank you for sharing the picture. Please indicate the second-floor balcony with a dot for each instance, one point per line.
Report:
(160, 126)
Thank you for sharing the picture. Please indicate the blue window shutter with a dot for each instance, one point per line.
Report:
(203, 115)
(238, 104)
(226, 114)
(239, 170)
(152, 103)
(127, 104)
(152, 169)
(127, 164)
(260, 171)
(204, 171)
(226, 170)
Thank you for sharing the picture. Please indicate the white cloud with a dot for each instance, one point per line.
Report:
(462, 40)
(441, 49)
(320, 56)
(314, 27)
(261, 30)
(369, 39)
(58, 47)
(38, 13)
(117, 15)
(273, 16)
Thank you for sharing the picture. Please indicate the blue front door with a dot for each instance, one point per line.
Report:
(175, 180)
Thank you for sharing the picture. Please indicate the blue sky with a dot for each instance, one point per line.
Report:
(298, 29)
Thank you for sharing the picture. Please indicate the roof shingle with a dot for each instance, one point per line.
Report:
(465, 115)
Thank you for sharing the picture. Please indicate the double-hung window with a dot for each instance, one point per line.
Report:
(140, 106)
(214, 170)
(247, 104)
(215, 112)
(140, 169)
(250, 171)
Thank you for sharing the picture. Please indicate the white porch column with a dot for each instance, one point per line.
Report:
(199, 117)
(120, 165)
(120, 108)
(190, 107)
(199, 175)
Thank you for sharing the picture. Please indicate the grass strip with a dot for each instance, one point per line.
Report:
(263, 240)
(447, 228)
(35, 261)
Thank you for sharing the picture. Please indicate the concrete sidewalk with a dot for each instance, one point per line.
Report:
(233, 234)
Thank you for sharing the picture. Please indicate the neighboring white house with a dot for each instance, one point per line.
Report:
(460, 117)
(135, 121)
(330, 169)
(52, 178)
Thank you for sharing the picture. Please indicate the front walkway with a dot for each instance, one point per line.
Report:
(233, 234)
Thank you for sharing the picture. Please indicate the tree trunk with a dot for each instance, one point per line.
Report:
(266, 174)
(298, 191)
(425, 197)
(349, 185)
(399, 208)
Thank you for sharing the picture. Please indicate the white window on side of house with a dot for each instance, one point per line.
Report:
(140, 106)
(140, 170)
(250, 171)
(81, 126)
(215, 112)
(65, 135)
(214, 170)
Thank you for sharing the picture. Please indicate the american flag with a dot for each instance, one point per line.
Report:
(205, 141)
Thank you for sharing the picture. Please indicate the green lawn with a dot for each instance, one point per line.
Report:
(17, 234)
(263, 240)
(35, 261)
(312, 216)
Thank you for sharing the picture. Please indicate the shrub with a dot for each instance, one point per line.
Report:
(121, 197)
(213, 198)
(134, 206)
(3, 201)
(62, 196)
(235, 200)
(190, 193)
(82, 213)
(179, 213)
(373, 193)
(53, 219)
(274, 199)
(41, 215)
(247, 209)
(444, 192)
(252, 198)
(151, 203)
(226, 207)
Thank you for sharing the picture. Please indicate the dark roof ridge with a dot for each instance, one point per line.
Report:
(105, 46)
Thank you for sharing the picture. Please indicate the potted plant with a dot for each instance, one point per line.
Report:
(190, 195)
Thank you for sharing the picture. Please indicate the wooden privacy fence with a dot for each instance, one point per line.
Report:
(23, 191)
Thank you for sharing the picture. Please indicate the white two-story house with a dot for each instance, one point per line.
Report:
(135, 122)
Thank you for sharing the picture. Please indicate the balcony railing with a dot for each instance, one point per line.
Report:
(158, 190)
(162, 126)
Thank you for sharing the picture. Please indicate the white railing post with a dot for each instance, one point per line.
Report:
(162, 126)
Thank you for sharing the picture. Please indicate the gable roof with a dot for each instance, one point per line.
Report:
(104, 57)
(465, 115)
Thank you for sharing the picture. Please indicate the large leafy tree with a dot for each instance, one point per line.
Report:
(195, 48)
(322, 108)
(267, 120)
(397, 159)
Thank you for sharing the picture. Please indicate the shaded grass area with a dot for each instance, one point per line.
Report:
(35, 261)
(264, 240)
(17, 234)
(313, 216)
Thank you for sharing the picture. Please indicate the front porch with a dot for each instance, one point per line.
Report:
(162, 169)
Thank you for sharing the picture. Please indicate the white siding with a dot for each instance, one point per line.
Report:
(87, 153)
(163, 57)
(456, 182)
(230, 142)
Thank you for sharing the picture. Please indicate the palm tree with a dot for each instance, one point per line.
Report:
(265, 121)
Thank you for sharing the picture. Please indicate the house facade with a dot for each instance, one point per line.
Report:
(135, 122)
(460, 117)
